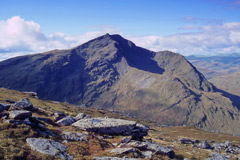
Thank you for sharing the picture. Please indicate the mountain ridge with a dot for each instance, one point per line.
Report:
(112, 73)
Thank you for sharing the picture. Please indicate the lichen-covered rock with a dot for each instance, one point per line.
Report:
(4, 106)
(122, 151)
(205, 145)
(49, 147)
(25, 104)
(58, 115)
(108, 126)
(111, 126)
(66, 121)
(74, 136)
(81, 116)
(19, 114)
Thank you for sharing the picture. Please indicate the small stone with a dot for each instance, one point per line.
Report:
(80, 116)
(205, 145)
(66, 121)
(58, 116)
(148, 154)
(126, 139)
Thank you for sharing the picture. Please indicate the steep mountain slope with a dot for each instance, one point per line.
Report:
(228, 82)
(112, 73)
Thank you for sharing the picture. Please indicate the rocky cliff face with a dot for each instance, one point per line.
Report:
(112, 73)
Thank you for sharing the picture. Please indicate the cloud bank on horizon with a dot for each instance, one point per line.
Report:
(20, 37)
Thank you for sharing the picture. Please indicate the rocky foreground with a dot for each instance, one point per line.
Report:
(47, 134)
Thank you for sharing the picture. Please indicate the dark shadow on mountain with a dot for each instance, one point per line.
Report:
(234, 98)
(137, 57)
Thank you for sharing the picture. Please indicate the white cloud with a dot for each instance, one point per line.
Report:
(210, 39)
(19, 37)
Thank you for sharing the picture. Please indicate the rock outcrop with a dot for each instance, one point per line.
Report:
(19, 114)
(49, 147)
(110, 126)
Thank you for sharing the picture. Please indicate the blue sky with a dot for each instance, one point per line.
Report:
(185, 26)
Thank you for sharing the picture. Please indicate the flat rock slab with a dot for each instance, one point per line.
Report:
(19, 114)
(49, 147)
(108, 126)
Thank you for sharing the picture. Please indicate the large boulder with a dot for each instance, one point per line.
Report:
(25, 104)
(66, 121)
(49, 147)
(110, 126)
(19, 114)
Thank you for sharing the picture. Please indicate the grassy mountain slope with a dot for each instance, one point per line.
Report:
(13, 138)
(228, 82)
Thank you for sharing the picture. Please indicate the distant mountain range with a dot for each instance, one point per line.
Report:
(213, 66)
(112, 73)
(223, 71)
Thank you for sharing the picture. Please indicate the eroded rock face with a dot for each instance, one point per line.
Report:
(49, 147)
(112, 126)
(19, 114)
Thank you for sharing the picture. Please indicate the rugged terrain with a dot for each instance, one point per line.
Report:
(48, 132)
(112, 73)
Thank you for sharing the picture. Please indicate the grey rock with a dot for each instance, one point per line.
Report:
(217, 156)
(66, 121)
(4, 106)
(74, 136)
(81, 116)
(161, 150)
(126, 139)
(113, 158)
(121, 151)
(46, 120)
(4, 115)
(10, 101)
(147, 154)
(25, 104)
(139, 145)
(48, 147)
(187, 141)
(110, 126)
(19, 114)
(205, 145)
(58, 115)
